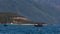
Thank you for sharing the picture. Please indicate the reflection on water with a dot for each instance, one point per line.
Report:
(29, 29)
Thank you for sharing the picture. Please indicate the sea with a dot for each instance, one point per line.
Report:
(29, 29)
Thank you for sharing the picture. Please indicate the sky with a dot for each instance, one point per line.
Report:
(37, 10)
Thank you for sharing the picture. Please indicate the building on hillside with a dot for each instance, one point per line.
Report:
(19, 19)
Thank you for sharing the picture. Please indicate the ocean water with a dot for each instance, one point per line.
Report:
(29, 29)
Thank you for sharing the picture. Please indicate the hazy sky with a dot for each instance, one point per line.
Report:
(38, 10)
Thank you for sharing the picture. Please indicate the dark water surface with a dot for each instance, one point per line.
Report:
(29, 29)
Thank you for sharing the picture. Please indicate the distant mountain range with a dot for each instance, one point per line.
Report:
(37, 10)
